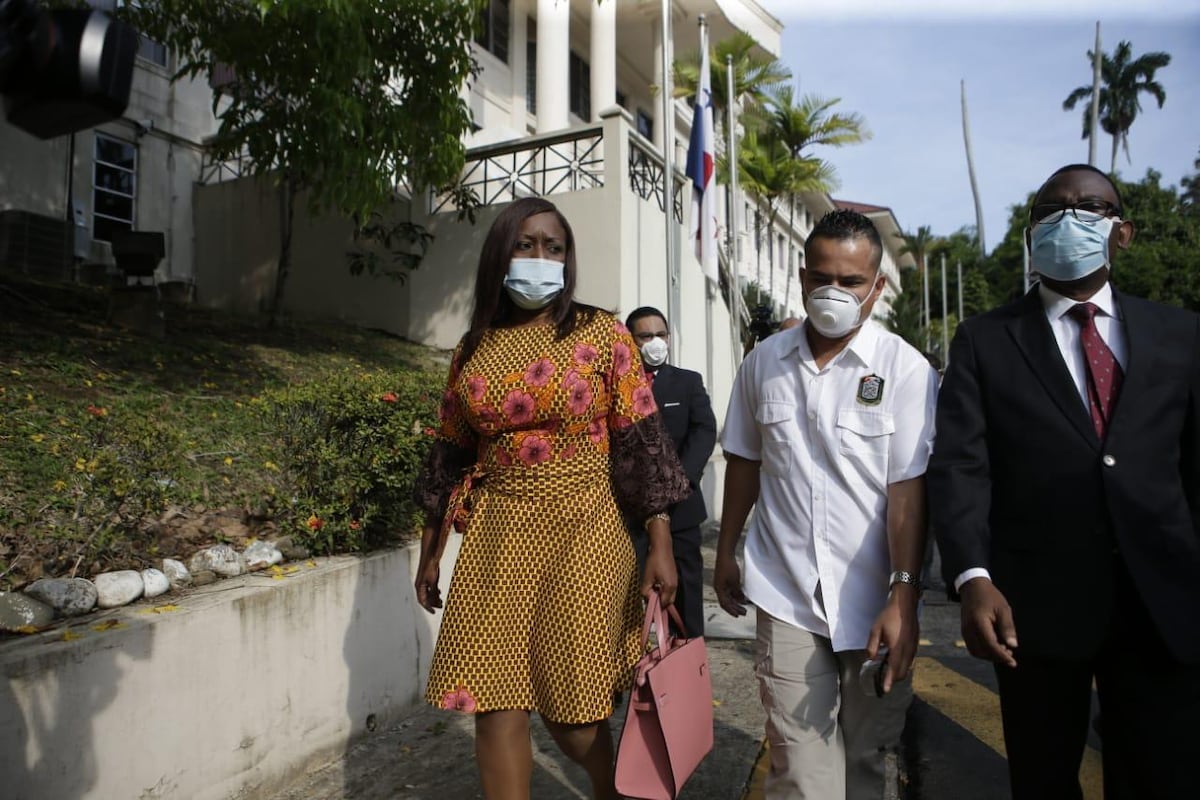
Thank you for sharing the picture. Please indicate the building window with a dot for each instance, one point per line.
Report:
(531, 66)
(645, 123)
(493, 33)
(580, 78)
(114, 182)
(148, 49)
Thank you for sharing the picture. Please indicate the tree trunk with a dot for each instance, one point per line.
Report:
(287, 218)
(787, 270)
(1112, 166)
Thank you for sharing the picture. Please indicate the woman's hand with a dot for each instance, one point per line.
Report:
(660, 571)
(429, 596)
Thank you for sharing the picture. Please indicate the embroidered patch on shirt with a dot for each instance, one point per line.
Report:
(870, 390)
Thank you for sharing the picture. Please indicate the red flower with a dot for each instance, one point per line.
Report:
(476, 387)
(429, 432)
(389, 397)
(643, 401)
(596, 430)
(97, 411)
(518, 407)
(315, 523)
(620, 328)
(503, 458)
(622, 358)
(538, 373)
(579, 398)
(568, 452)
(355, 524)
(534, 450)
(571, 377)
(585, 352)
(459, 700)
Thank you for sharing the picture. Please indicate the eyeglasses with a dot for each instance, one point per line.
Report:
(1049, 213)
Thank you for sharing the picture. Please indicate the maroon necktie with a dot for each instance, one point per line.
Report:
(1103, 372)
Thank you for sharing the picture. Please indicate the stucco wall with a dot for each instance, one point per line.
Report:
(246, 683)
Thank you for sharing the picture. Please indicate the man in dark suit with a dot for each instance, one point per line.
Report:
(1065, 490)
(688, 416)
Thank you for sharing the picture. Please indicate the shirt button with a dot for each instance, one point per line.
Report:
(1109, 461)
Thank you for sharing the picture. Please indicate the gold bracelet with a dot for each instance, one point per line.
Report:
(664, 516)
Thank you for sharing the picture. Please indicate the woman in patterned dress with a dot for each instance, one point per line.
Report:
(549, 432)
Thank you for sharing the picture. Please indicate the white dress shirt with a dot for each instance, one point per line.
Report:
(816, 551)
(1066, 334)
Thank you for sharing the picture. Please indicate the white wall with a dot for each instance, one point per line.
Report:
(248, 682)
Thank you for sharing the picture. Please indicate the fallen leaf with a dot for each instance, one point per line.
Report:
(108, 625)
(70, 635)
(27, 629)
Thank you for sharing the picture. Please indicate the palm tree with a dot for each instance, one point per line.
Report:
(754, 74)
(799, 125)
(920, 244)
(769, 173)
(1123, 81)
(1190, 187)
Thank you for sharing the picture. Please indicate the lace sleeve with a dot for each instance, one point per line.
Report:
(443, 470)
(647, 475)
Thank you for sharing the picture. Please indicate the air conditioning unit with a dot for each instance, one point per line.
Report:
(37, 245)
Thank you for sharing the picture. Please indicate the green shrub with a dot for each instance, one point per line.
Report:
(347, 451)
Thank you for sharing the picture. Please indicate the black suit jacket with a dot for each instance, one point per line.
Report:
(688, 416)
(1020, 484)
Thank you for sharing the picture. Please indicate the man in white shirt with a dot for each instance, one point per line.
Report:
(827, 435)
(1065, 491)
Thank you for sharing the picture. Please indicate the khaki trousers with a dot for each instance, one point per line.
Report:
(828, 739)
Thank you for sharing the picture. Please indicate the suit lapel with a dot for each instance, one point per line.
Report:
(664, 385)
(1031, 332)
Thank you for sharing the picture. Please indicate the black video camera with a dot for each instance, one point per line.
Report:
(761, 325)
(64, 70)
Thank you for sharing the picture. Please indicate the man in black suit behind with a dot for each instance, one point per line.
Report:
(1065, 491)
(688, 416)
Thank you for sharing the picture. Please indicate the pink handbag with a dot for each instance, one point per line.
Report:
(669, 723)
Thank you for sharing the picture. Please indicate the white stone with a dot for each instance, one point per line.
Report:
(176, 573)
(19, 611)
(118, 588)
(70, 597)
(220, 559)
(156, 582)
(261, 555)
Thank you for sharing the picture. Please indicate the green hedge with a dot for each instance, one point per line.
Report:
(348, 451)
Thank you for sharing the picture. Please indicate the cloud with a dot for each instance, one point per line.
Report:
(1013, 10)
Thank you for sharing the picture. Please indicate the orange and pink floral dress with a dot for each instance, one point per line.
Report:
(544, 443)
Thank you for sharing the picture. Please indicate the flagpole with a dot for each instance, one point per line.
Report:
(735, 288)
(709, 290)
(668, 139)
(945, 327)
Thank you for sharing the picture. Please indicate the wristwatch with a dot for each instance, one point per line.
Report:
(900, 576)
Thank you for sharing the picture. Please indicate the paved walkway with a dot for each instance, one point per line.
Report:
(430, 754)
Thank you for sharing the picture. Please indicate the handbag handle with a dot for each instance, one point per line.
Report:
(655, 615)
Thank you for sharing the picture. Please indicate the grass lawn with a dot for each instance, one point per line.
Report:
(106, 436)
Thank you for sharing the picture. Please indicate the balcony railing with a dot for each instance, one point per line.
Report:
(567, 162)
(646, 177)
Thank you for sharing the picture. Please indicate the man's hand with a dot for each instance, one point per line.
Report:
(896, 628)
(987, 622)
(727, 581)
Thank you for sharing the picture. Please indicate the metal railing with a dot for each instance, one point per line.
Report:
(566, 162)
(646, 177)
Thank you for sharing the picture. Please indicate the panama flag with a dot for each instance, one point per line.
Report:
(701, 169)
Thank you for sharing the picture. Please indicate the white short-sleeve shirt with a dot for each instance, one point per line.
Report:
(830, 441)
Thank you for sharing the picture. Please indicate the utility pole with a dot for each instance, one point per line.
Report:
(1094, 125)
(971, 171)
(945, 325)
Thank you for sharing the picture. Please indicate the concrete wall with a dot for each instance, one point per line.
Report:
(248, 682)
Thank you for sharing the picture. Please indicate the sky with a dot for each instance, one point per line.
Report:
(899, 63)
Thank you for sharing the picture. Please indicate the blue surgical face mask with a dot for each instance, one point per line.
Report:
(1071, 248)
(532, 283)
